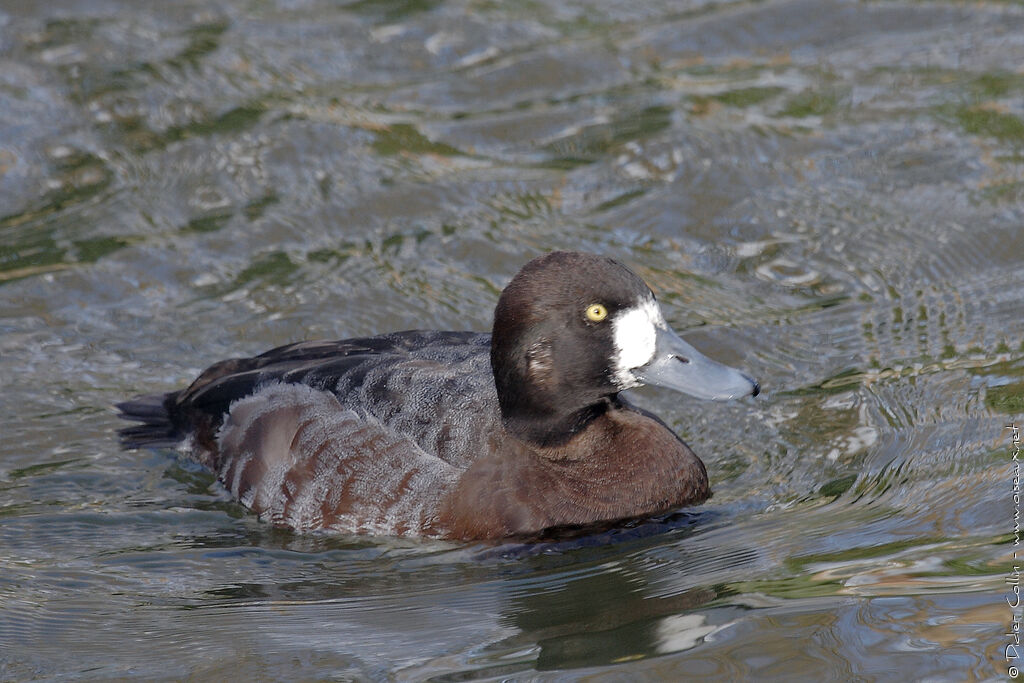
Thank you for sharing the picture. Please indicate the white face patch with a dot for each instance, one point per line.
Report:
(633, 333)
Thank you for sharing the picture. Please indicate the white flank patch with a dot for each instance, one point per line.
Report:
(633, 333)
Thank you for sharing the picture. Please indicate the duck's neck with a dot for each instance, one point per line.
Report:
(549, 428)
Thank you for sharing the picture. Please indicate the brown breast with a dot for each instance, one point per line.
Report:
(625, 464)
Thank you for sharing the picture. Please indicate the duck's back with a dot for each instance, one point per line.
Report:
(434, 388)
(355, 435)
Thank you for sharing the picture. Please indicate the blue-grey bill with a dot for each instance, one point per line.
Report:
(677, 365)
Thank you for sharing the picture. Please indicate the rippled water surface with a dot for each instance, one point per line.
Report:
(829, 194)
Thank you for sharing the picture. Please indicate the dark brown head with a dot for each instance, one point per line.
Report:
(571, 330)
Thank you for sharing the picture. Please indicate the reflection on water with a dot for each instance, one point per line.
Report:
(828, 194)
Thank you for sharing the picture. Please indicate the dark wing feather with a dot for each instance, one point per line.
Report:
(415, 377)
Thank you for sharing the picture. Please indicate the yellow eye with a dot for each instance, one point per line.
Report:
(596, 313)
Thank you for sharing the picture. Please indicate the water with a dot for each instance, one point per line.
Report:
(827, 194)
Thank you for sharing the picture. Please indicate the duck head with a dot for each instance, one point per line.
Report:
(571, 330)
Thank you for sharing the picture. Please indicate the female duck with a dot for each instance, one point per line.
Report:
(458, 434)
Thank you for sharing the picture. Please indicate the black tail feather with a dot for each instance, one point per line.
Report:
(157, 429)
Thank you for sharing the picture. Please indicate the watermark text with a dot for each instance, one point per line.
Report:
(1013, 649)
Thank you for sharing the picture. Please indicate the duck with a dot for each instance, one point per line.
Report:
(464, 436)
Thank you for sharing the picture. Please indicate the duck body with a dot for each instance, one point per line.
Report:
(457, 435)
